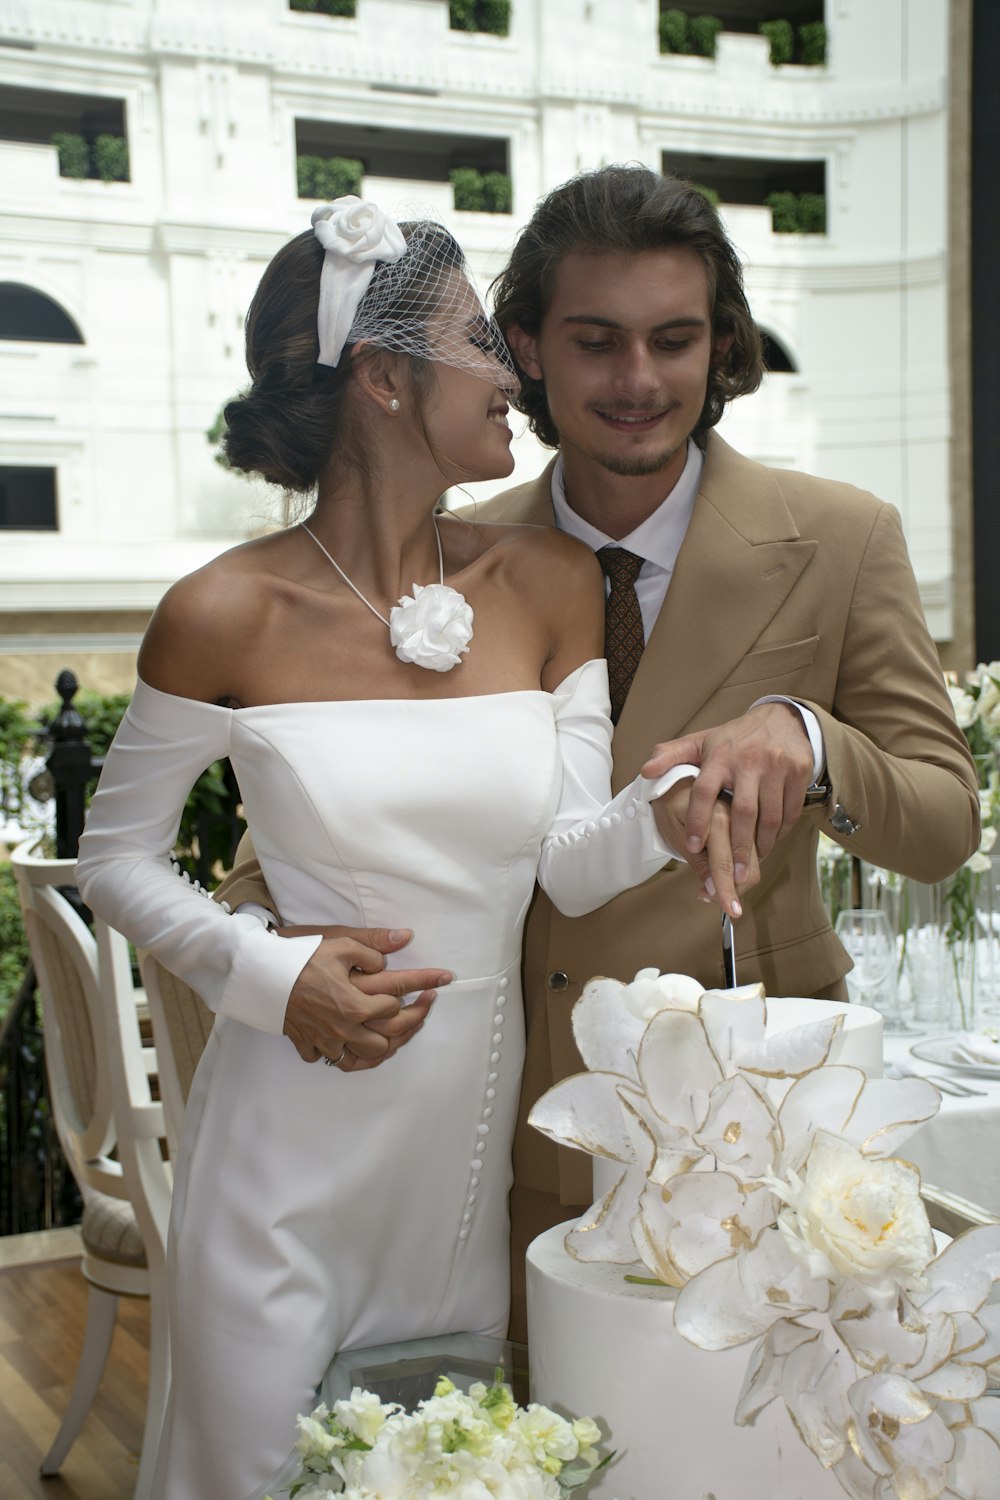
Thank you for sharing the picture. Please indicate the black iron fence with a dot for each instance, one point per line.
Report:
(37, 1190)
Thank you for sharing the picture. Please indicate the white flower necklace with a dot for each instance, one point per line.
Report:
(432, 627)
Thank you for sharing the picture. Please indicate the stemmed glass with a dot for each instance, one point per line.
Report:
(870, 942)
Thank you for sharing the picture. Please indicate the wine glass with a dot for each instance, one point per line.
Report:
(870, 942)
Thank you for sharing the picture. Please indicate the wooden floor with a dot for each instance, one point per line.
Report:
(43, 1309)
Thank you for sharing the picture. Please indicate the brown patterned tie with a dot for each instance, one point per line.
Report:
(623, 633)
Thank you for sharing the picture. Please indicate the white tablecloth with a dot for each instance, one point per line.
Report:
(959, 1150)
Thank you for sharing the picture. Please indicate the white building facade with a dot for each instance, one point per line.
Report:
(217, 100)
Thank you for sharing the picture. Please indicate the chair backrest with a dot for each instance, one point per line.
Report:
(182, 1023)
(99, 1066)
(64, 953)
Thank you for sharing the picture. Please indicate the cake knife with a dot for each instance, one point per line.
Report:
(728, 954)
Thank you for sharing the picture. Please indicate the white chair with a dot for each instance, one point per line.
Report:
(98, 1068)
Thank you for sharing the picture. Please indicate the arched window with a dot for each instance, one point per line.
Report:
(777, 359)
(34, 318)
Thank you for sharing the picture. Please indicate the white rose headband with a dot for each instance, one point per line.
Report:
(413, 295)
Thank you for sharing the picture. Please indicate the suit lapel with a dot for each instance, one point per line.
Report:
(739, 561)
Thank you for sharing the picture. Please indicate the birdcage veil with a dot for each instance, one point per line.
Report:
(404, 287)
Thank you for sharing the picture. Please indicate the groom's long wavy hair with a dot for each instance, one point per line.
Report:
(629, 209)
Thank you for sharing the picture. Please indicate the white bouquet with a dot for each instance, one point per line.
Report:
(456, 1446)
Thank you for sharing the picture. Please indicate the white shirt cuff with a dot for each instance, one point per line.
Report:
(811, 725)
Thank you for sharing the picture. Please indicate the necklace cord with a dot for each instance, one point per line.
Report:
(353, 586)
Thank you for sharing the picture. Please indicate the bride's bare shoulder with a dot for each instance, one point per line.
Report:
(209, 619)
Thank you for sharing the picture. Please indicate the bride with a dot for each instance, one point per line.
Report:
(420, 761)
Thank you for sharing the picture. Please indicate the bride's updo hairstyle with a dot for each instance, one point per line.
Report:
(329, 299)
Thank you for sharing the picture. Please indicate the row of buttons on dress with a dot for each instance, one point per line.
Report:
(483, 1128)
(586, 830)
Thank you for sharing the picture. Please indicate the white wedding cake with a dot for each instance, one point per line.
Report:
(711, 1120)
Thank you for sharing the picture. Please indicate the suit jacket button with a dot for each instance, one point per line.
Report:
(558, 980)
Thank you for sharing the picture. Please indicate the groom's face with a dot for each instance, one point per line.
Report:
(624, 350)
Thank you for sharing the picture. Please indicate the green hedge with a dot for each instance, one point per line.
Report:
(326, 7)
(797, 213)
(695, 35)
(482, 192)
(492, 16)
(328, 177)
(106, 157)
(781, 38)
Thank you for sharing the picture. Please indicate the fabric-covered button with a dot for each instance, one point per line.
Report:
(498, 1018)
(474, 1182)
(630, 811)
(491, 1093)
(463, 1234)
(497, 1038)
(477, 1163)
(492, 1077)
(503, 984)
(487, 1112)
(482, 1130)
(616, 819)
(494, 1057)
(501, 1001)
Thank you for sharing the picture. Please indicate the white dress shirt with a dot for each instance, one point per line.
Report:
(657, 540)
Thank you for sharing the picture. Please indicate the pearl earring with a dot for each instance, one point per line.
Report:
(394, 404)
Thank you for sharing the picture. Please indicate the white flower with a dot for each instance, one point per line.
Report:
(358, 231)
(851, 1217)
(964, 705)
(548, 1436)
(363, 1414)
(651, 992)
(432, 628)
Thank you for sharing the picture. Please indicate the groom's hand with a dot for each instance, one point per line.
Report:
(346, 986)
(764, 758)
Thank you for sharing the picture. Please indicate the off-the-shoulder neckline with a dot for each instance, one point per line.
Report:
(255, 708)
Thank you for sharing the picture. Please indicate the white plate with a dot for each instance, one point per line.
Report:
(939, 1050)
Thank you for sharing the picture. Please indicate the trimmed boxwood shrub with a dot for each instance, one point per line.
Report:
(326, 7)
(797, 213)
(481, 192)
(704, 30)
(111, 158)
(492, 16)
(73, 153)
(328, 177)
(673, 28)
(781, 38)
(812, 44)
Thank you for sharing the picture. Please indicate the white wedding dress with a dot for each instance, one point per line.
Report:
(316, 1210)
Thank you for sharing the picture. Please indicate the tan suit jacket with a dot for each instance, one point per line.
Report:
(784, 584)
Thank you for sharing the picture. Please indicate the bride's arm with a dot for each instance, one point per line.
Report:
(124, 872)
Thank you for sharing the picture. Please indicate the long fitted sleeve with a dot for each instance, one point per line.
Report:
(596, 847)
(124, 872)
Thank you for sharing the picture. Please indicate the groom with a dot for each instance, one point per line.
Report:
(729, 585)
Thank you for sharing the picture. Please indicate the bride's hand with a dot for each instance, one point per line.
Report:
(715, 863)
(345, 1005)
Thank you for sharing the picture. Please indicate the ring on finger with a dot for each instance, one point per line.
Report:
(332, 1062)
